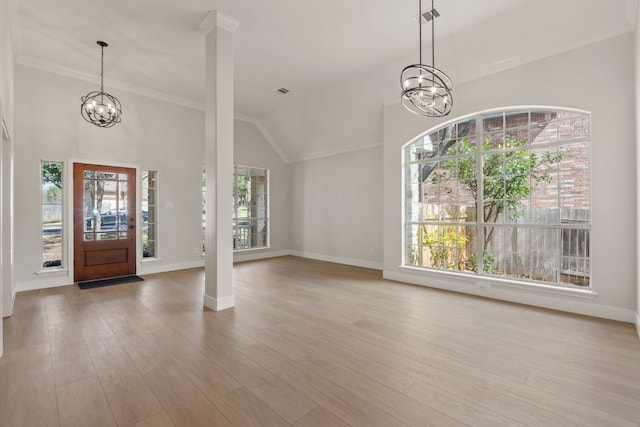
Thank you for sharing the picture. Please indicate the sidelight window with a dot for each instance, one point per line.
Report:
(149, 214)
(51, 210)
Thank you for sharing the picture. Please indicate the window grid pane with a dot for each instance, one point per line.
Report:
(105, 205)
(527, 184)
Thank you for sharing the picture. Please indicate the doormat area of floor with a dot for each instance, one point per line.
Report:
(89, 284)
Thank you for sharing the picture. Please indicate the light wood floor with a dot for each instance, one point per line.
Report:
(308, 344)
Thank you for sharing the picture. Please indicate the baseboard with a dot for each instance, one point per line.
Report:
(7, 306)
(339, 260)
(218, 304)
(45, 283)
(13, 303)
(258, 254)
(572, 304)
(151, 267)
(63, 278)
(638, 322)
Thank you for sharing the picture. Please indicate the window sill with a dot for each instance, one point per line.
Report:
(150, 260)
(539, 287)
(52, 272)
(488, 283)
(261, 248)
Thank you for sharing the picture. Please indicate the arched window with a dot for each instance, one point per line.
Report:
(502, 194)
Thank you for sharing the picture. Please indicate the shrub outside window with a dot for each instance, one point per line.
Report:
(502, 194)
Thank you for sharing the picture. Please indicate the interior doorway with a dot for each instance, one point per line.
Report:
(104, 221)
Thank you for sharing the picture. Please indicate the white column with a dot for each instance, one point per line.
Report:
(218, 286)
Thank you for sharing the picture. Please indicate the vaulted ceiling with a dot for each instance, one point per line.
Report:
(340, 59)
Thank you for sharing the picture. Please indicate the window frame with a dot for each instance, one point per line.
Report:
(203, 191)
(267, 208)
(583, 227)
(63, 261)
(156, 254)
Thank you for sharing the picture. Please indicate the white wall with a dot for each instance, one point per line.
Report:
(6, 65)
(7, 284)
(637, 145)
(252, 149)
(336, 208)
(595, 78)
(153, 135)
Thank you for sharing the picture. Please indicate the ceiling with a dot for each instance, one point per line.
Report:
(156, 46)
(340, 59)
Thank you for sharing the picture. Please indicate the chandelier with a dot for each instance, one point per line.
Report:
(100, 108)
(426, 90)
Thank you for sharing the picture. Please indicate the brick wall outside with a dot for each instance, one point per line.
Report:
(569, 186)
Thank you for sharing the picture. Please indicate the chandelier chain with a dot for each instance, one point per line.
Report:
(420, 31)
(433, 36)
(102, 70)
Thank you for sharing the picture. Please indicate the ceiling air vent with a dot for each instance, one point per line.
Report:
(283, 91)
(430, 14)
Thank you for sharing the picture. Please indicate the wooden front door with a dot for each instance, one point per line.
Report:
(104, 221)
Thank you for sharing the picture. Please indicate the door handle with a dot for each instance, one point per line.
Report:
(131, 227)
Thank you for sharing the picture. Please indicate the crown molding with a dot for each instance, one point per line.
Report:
(5, 131)
(265, 133)
(14, 25)
(245, 118)
(67, 72)
(216, 19)
(364, 145)
(114, 84)
(528, 58)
